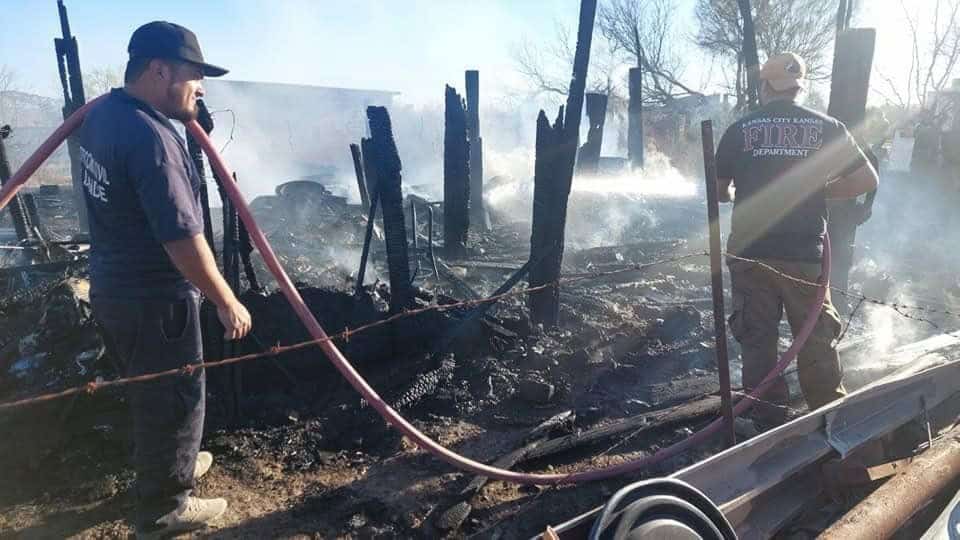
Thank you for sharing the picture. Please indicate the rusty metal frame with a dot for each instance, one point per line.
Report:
(762, 483)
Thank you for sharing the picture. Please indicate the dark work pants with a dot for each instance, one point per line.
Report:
(147, 335)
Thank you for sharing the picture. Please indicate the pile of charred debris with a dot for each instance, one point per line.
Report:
(622, 360)
(626, 366)
(613, 362)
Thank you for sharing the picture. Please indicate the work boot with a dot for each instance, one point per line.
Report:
(194, 514)
(204, 461)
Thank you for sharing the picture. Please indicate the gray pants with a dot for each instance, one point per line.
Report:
(149, 335)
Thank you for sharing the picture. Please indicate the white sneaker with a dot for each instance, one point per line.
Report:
(195, 514)
(204, 461)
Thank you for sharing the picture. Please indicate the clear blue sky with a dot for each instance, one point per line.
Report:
(412, 46)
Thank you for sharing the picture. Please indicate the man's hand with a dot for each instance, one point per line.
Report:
(193, 258)
(235, 320)
(863, 180)
(723, 190)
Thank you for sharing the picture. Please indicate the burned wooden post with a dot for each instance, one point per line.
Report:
(478, 214)
(385, 160)
(456, 175)
(196, 155)
(18, 212)
(556, 149)
(358, 170)
(849, 88)
(750, 56)
(716, 272)
(71, 81)
(588, 162)
(635, 119)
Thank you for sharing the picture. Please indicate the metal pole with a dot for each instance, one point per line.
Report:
(716, 272)
(889, 507)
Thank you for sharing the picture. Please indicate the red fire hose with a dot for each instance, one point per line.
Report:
(354, 378)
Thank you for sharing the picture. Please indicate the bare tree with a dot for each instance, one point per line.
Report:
(99, 81)
(935, 51)
(805, 27)
(8, 84)
(546, 66)
(643, 31)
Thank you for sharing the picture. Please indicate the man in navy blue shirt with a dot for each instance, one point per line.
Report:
(149, 262)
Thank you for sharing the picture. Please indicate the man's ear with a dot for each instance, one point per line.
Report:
(159, 67)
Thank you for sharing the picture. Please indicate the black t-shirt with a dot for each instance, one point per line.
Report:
(142, 190)
(780, 157)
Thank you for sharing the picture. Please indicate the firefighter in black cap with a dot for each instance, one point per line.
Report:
(150, 262)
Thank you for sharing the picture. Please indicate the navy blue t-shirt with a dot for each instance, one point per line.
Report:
(142, 190)
(780, 158)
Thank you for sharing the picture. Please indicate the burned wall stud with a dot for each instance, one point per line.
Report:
(588, 161)
(385, 160)
(456, 175)
(556, 153)
(478, 215)
(849, 89)
(635, 119)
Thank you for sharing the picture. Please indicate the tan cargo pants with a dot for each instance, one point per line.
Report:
(759, 299)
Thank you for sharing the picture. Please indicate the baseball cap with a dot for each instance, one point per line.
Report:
(784, 71)
(161, 39)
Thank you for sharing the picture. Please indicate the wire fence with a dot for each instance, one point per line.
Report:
(345, 335)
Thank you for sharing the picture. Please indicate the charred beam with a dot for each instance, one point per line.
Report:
(635, 119)
(386, 162)
(369, 173)
(750, 56)
(588, 161)
(456, 175)
(556, 153)
(849, 88)
(478, 215)
(18, 212)
(358, 170)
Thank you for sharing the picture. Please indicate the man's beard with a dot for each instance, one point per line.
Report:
(179, 111)
(184, 114)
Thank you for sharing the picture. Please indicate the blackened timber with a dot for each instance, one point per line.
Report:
(556, 153)
(849, 88)
(18, 212)
(588, 161)
(33, 215)
(478, 216)
(750, 56)
(386, 161)
(68, 64)
(371, 216)
(456, 175)
(196, 155)
(635, 119)
(545, 303)
(358, 170)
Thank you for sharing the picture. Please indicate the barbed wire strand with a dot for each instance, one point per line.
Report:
(346, 334)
